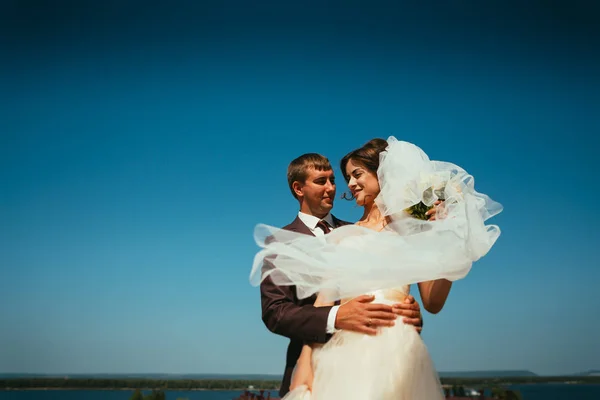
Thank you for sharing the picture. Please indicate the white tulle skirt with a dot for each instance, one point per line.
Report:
(393, 365)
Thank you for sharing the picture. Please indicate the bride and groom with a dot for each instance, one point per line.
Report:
(336, 289)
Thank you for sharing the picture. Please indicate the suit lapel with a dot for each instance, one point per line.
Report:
(298, 226)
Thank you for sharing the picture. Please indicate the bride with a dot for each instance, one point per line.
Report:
(401, 239)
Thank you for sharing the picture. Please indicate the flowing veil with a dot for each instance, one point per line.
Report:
(352, 260)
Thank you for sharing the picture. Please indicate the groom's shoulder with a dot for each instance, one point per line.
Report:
(340, 222)
(294, 225)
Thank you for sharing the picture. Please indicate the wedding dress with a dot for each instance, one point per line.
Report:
(353, 260)
(393, 365)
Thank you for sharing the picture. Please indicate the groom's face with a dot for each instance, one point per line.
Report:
(318, 192)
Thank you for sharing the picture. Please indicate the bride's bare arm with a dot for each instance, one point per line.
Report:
(303, 373)
(434, 294)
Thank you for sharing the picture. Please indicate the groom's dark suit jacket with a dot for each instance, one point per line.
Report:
(298, 319)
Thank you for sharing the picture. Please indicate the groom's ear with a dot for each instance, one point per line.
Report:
(297, 188)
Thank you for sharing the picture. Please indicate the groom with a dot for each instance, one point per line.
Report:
(312, 183)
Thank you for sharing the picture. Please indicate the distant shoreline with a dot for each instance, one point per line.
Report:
(267, 385)
(255, 389)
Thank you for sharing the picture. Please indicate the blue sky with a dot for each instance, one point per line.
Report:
(141, 143)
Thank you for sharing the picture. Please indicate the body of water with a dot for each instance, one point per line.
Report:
(558, 391)
(529, 392)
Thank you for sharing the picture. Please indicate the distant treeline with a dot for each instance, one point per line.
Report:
(480, 381)
(135, 383)
(240, 384)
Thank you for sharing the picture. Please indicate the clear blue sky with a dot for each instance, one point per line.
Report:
(140, 144)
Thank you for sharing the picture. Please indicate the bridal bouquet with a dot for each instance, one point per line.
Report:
(419, 210)
(433, 187)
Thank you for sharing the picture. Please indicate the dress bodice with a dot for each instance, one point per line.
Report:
(395, 295)
(388, 296)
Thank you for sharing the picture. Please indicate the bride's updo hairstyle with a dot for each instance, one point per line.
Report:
(367, 157)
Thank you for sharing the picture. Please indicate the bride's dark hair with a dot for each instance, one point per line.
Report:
(366, 156)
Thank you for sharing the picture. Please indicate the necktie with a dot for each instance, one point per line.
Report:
(324, 226)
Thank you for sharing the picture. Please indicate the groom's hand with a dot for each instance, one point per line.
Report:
(411, 311)
(360, 315)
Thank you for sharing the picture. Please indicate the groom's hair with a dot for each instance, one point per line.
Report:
(367, 156)
(299, 167)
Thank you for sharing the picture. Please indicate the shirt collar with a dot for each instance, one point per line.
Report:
(311, 221)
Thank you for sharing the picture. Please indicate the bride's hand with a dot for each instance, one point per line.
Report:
(302, 377)
(438, 210)
(303, 373)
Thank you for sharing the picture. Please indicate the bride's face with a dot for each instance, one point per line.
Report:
(363, 183)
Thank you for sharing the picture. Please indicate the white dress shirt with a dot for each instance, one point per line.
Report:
(311, 222)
